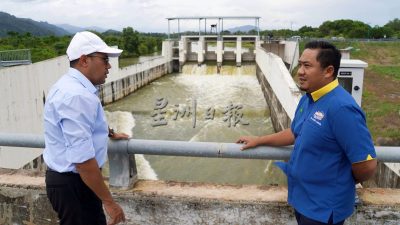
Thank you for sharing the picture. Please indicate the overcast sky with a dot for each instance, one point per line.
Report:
(149, 15)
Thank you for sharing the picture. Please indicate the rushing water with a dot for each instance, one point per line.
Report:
(208, 98)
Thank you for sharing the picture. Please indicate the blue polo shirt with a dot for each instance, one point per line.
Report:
(330, 134)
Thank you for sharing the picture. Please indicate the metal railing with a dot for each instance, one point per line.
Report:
(15, 57)
(123, 172)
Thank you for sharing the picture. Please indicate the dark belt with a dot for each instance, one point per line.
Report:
(70, 172)
(63, 173)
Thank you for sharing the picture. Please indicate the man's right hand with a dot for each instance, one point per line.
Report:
(115, 212)
(249, 142)
(91, 175)
(282, 138)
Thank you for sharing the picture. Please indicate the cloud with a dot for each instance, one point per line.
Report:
(149, 15)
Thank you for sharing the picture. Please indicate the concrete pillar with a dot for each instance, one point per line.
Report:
(123, 172)
(239, 51)
(167, 49)
(201, 51)
(183, 44)
(257, 44)
(219, 51)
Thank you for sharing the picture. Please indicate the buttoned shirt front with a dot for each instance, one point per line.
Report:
(330, 134)
(74, 122)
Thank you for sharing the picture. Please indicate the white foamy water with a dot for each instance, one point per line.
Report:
(218, 90)
(201, 88)
(123, 122)
(203, 69)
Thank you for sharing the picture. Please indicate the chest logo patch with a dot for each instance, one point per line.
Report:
(318, 115)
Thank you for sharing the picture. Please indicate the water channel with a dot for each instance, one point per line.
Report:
(200, 105)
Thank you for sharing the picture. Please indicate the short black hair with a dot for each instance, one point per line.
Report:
(328, 54)
(73, 63)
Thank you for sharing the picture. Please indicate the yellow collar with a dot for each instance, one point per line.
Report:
(324, 90)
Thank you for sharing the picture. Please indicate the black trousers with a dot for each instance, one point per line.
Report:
(303, 220)
(73, 201)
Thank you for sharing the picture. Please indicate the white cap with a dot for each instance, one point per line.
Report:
(85, 43)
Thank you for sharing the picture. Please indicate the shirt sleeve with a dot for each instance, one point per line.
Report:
(77, 116)
(351, 132)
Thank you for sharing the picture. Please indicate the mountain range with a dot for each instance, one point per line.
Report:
(9, 23)
(73, 29)
(23, 25)
(245, 28)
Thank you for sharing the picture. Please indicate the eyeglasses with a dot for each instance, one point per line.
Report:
(105, 59)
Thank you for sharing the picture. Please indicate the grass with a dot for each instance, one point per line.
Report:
(381, 101)
(391, 71)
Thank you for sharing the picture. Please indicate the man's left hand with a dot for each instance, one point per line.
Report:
(119, 136)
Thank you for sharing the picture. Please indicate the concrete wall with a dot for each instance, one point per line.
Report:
(167, 49)
(280, 91)
(275, 47)
(291, 53)
(131, 78)
(23, 201)
(387, 175)
(23, 90)
(288, 51)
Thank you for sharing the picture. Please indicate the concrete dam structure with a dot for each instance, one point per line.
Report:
(22, 194)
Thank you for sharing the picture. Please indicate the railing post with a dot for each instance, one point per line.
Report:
(122, 165)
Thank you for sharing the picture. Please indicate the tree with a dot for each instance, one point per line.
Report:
(307, 31)
(12, 33)
(394, 25)
(143, 50)
(225, 32)
(344, 28)
(130, 41)
(60, 47)
(112, 40)
(252, 32)
(359, 32)
(381, 32)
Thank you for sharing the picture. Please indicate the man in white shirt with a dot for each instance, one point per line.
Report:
(76, 136)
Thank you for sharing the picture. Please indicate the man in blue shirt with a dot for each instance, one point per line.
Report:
(333, 149)
(76, 136)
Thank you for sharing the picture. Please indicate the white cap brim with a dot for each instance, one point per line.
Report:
(111, 52)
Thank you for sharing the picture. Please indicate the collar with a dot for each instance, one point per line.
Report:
(82, 79)
(324, 90)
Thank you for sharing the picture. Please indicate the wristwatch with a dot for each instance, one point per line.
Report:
(110, 132)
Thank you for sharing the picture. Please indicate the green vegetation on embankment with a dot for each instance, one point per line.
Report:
(131, 41)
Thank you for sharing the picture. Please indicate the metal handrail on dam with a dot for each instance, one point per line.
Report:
(121, 153)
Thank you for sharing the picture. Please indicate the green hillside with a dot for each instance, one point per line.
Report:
(11, 24)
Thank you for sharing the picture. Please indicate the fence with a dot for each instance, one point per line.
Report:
(122, 164)
(15, 57)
